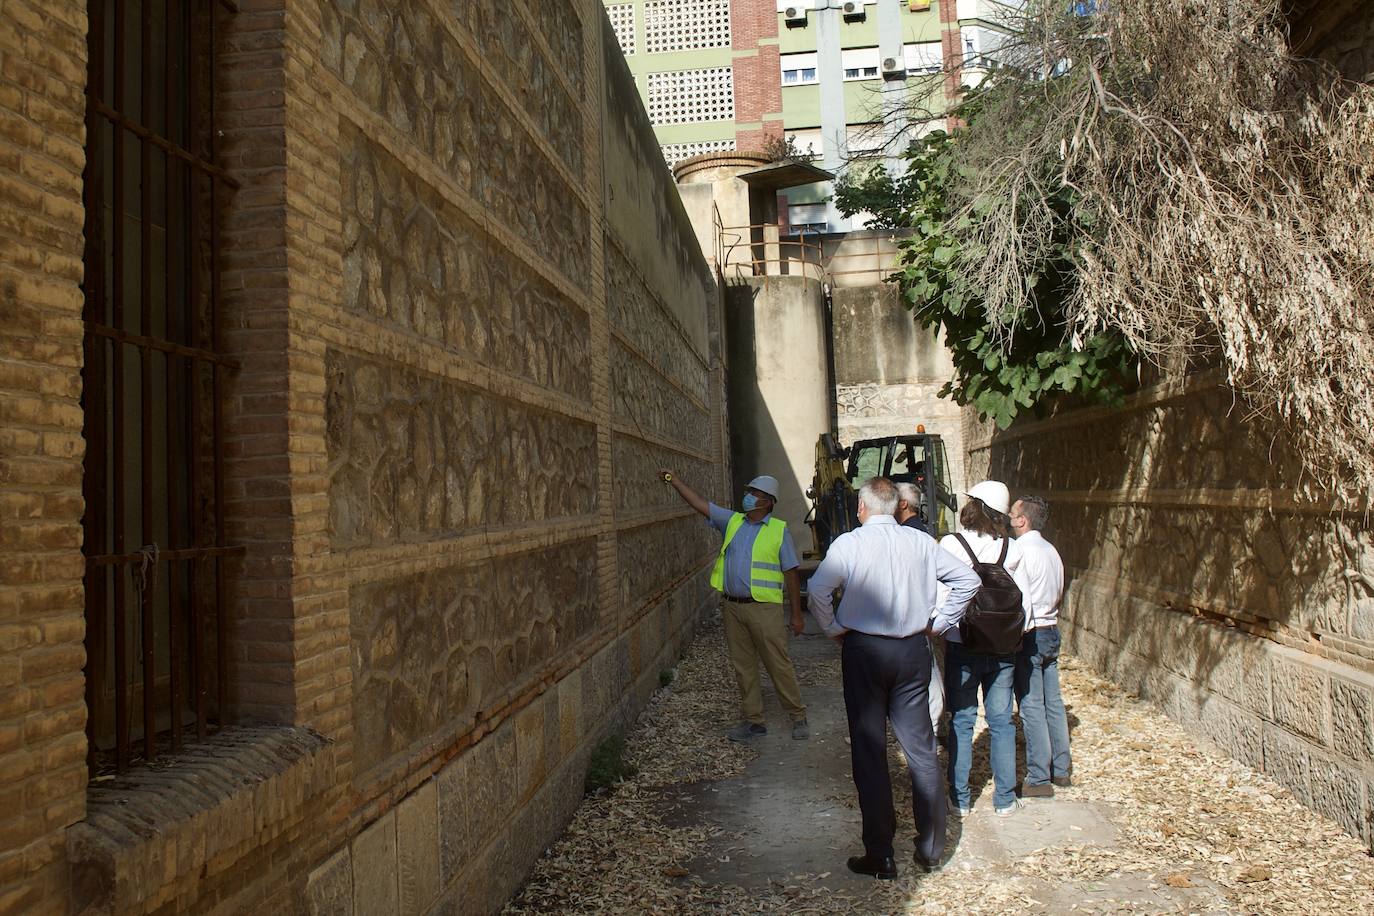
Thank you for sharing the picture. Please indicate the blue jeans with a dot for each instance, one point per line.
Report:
(965, 674)
(1042, 708)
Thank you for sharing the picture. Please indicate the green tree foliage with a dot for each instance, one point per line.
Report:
(1004, 364)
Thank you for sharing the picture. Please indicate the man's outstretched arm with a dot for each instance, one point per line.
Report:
(689, 496)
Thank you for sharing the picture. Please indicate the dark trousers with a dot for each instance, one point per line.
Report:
(888, 679)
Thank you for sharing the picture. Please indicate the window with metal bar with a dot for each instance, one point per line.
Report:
(154, 525)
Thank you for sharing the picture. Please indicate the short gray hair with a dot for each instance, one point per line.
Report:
(906, 490)
(880, 496)
(1036, 511)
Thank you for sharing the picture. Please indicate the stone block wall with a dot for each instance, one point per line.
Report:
(1198, 578)
(471, 320)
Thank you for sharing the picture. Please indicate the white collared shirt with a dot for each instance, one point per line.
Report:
(1045, 570)
(889, 574)
(988, 549)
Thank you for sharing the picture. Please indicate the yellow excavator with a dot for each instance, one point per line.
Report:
(840, 471)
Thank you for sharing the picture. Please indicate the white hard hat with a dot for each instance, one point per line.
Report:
(994, 495)
(766, 484)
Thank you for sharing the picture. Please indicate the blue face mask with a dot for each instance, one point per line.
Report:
(751, 502)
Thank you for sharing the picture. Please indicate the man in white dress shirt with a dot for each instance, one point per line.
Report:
(1043, 718)
(890, 575)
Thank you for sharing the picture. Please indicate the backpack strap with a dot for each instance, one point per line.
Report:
(973, 557)
(1002, 560)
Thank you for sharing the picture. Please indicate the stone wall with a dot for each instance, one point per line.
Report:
(1199, 579)
(889, 372)
(470, 320)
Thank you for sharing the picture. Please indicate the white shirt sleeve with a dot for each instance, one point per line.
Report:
(820, 588)
(1020, 574)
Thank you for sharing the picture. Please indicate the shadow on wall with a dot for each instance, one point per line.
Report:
(1199, 582)
(778, 390)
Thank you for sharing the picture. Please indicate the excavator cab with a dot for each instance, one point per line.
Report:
(834, 490)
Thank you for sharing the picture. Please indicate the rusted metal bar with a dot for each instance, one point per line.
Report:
(144, 342)
(147, 594)
(196, 571)
(143, 133)
(188, 553)
(171, 332)
(121, 634)
(93, 394)
(217, 389)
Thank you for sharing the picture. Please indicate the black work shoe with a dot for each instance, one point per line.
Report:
(1041, 790)
(746, 730)
(1062, 782)
(925, 865)
(885, 869)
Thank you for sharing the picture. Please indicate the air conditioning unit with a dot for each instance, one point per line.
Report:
(894, 68)
(794, 16)
(853, 11)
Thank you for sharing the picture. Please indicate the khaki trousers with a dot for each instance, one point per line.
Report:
(753, 633)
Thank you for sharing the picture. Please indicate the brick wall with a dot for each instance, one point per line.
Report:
(463, 351)
(42, 713)
(952, 51)
(758, 73)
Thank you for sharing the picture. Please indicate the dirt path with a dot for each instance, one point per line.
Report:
(1156, 823)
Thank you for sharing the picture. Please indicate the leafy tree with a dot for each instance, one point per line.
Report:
(1004, 364)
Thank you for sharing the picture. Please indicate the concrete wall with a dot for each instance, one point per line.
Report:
(889, 371)
(1198, 578)
(471, 319)
(779, 387)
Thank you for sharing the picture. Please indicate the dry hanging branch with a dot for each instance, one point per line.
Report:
(1223, 204)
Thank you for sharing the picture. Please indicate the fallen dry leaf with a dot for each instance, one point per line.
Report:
(1180, 809)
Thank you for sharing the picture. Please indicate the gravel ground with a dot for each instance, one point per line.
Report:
(1195, 831)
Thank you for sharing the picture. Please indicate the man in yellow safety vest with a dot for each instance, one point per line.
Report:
(756, 559)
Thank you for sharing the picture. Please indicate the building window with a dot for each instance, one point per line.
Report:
(622, 16)
(925, 57)
(798, 69)
(859, 63)
(684, 96)
(685, 25)
(152, 382)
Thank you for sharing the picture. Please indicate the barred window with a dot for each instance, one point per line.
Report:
(152, 382)
(622, 16)
(684, 96)
(674, 153)
(684, 25)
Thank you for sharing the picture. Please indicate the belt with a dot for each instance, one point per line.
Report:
(739, 600)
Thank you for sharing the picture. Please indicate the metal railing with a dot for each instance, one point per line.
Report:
(764, 249)
(769, 253)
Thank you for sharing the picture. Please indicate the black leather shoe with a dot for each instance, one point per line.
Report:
(886, 869)
(925, 865)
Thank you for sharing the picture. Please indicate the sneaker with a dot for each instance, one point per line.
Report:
(1062, 782)
(1042, 790)
(800, 730)
(1009, 810)
(960, 810)
(745, 731)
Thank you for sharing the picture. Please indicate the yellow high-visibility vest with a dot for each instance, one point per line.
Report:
(765, 574)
